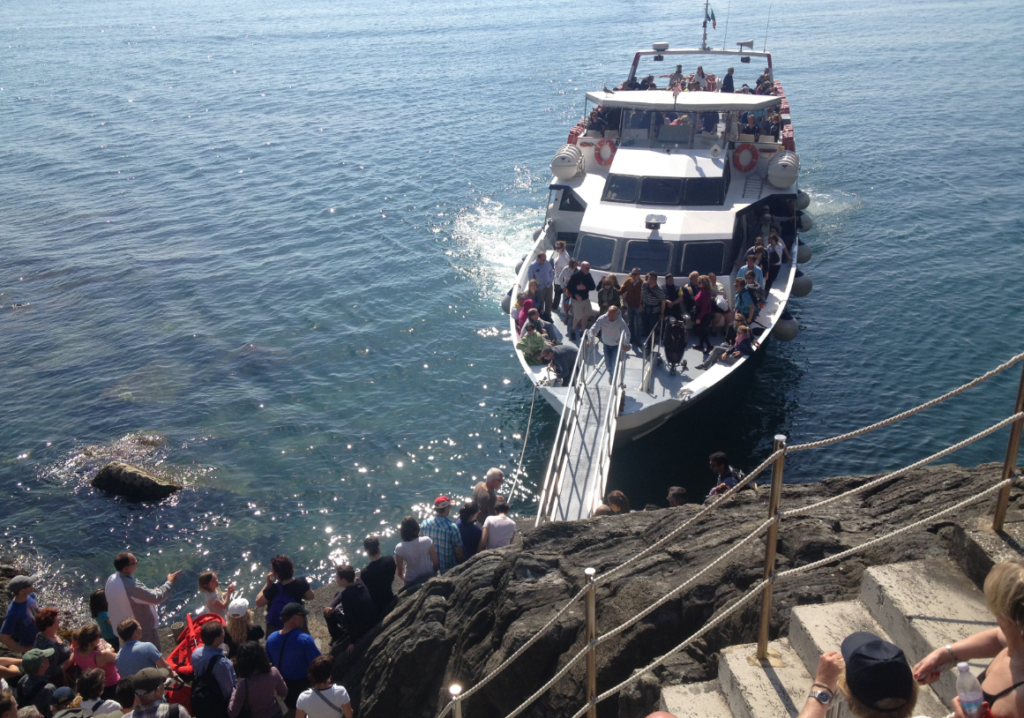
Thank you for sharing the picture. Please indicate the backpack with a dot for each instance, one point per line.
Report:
(281, 600)
(207, 700)
(756, 294)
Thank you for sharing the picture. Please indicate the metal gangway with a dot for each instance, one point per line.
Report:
(578, 468)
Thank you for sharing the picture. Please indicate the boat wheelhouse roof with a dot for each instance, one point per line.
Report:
(667, 101)
(645, 162)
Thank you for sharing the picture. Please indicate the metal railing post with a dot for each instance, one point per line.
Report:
(1011, 458)
(591, 641)
(769, 550)
(455, 689)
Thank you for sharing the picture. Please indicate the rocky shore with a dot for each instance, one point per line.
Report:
(459, 627)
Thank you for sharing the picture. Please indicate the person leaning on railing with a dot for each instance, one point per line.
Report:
(1001, 680)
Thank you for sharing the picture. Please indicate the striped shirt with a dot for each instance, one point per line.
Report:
(652, 297)
(446, 537)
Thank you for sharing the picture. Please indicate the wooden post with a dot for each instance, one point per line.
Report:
(455, 689)
(769, 548)
(1011, 458)
(591, 638)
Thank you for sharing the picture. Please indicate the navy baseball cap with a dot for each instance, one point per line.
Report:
(877, 671)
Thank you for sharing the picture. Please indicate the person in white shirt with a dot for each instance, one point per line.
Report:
(499, 529)
(324, 699)
(614, 335)
(90, 687)
(415, 556)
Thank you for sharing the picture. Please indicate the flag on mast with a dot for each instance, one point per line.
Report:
(709, 14)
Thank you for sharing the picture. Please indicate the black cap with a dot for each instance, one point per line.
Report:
(293, 609)
(876, 670)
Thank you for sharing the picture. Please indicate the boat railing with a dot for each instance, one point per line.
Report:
(770, 530)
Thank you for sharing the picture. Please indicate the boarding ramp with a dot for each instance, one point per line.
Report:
(578, 469)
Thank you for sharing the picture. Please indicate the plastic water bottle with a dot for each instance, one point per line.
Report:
(969, 690)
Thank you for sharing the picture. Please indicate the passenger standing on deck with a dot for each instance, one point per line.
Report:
(559, 262)
(776, 250)
(561, 360)
(446, 537)
(544, 273)
(727, 82)
(614, 335)
(674, 298)
(581, 284)
(653, 305)
(563, 281)
(632, 291)
(486, 495)
(127, 597)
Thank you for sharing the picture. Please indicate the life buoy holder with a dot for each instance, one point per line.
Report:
(597, 152)
(745, 147)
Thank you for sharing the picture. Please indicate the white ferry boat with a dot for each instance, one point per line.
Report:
(673, 181)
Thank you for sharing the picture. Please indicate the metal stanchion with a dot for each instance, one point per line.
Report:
(769, 550)
(591, 641)
(455, 690)
(1011, 459)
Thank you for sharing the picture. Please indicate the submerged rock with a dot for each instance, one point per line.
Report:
(132, 482)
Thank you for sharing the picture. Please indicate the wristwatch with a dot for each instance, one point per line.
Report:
(821, 694)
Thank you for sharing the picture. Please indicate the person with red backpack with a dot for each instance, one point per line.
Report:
(283, 587)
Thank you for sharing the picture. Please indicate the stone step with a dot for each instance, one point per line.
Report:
(923, 605)
(813, 630)
(695, 700)
(976, 548)
(773, 688)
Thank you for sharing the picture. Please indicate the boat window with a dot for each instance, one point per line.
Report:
(596, 250)
(703, 257)
(570, 240)
(661, 190)
(703, 191)
(649, 256)
(620, 188)
(571, 202)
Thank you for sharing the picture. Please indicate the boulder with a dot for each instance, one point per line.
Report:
(133, 483)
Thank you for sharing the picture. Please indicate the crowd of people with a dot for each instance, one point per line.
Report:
(700, 81)
(116, 664)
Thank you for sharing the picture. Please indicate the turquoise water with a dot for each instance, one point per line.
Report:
(275, 238)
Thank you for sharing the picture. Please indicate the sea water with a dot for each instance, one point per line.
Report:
(261, 248)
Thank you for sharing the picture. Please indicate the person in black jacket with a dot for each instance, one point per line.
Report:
(352, 613)
(580, 285)
(727, 82)
(378, 576)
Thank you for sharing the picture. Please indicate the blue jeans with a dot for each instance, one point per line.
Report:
(611, 353)
(633, 321)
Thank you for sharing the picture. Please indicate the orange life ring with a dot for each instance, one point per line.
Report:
(597, 152)
(736, 157)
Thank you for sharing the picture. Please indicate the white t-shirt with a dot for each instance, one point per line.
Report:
(560, 262)
(416, 555)
(208, 598)
(313, 705)
(102, 708)
(500, 530)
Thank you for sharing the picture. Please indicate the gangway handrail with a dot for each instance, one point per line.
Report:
(1016, 420)
(606, 435)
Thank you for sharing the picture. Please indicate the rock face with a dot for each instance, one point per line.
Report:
(133, 483)
(459, 627)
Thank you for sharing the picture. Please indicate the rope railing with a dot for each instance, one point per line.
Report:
(777, 458)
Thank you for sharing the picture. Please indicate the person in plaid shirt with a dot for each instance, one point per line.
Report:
(444, 533)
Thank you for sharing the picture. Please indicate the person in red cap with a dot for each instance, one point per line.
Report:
(445, 534)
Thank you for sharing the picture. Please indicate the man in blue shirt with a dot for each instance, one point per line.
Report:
(544, 273)
(751, 265)
(19, 629)
(444, 533)
(292, 651)
(745, 305)
(135, 654)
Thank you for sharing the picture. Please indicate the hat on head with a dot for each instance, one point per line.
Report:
(149, 679)
(21, 582)
(238, 607)
(293, 609)
(442, 502)
(62, 696)
(34, 658)
(876, 671)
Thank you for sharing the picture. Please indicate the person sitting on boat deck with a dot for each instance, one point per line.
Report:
(776, 250)
(719, 304)
(563, 280)
(534, 294)
(755, 290)
(608, 294)
(702, 315)
(709, 121)
(1002, 682)
(531, 345)
(741, 347)
(700, 78)
(773, 125)
(543, 272)
(676, 496)
(596, 123)
(728, 81)
(486, 495)
(690, 290)
(524, 313)
(752, 127)
(547, 329)
(632, 290)
(648, 83)
(653, 305)
(726, 475)
(614, 503)
(614, 335)
(581, 284)
(746, 305)
(673, 298)
(751, 266)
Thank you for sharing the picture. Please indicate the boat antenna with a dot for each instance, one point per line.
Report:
(704, 40)
(765, 48)
(727, 9)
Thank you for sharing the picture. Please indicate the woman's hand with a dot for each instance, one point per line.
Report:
(959, 712)
(830, 667)
(929, 669)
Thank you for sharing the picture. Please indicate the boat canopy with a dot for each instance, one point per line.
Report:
(665, 101)
(661, 163)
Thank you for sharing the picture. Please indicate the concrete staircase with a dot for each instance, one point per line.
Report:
(919, 606)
